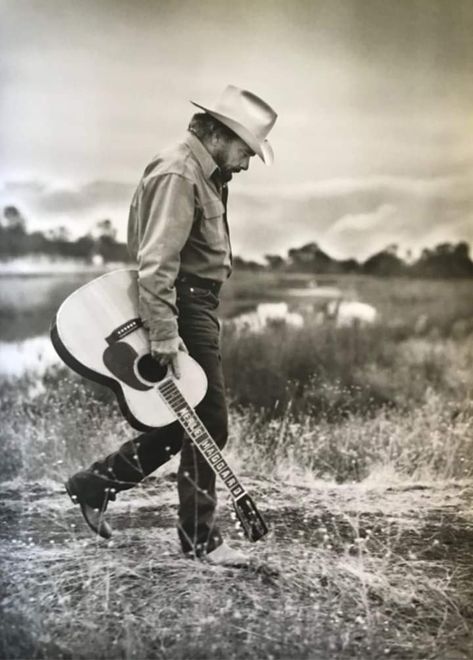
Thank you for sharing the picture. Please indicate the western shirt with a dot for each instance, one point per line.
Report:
(177, 224)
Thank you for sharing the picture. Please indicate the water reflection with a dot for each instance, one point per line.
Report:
(29, 301)
(34, 355)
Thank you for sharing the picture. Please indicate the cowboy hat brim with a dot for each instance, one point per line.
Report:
(260, 147)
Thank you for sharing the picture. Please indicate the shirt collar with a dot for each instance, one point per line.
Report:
(209, 166)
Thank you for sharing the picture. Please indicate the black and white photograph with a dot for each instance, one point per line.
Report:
(236, 329)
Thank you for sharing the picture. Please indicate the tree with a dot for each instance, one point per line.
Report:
(14, 220)
(385, 263)
(275, 262)
(445, 260)
(105, 228)
(12, 232)
(349, 266)
(243, 264)
(310, 258)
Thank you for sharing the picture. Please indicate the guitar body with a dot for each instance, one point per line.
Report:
(98, 333)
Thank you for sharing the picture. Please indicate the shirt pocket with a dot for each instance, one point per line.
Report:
(213, 226)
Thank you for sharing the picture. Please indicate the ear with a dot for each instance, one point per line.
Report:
(216, 140)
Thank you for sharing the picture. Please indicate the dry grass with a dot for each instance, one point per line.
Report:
(355, 571)
(380, 566)
(364, 475)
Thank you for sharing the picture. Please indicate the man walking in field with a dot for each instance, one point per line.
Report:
(178, 234)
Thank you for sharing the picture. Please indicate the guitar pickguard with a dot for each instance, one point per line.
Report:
(119, 358)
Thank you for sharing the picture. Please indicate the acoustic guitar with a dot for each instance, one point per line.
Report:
(98, 333)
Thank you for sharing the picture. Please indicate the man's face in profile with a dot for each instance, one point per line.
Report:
(232, 156)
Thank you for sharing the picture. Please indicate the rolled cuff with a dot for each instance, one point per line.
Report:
(158, 317)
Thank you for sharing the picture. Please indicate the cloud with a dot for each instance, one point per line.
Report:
(349, 217)
(356, 216)
(58, 200)
(359, 235)
(458, 185)
(363, 221)
(47, 205)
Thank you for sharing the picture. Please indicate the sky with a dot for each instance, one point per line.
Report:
(373, 143)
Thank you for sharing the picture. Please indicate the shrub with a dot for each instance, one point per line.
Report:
(331, 373)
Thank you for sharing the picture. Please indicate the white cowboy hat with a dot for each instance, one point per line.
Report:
(246, 115)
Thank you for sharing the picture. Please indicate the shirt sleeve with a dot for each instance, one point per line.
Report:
(167, 209)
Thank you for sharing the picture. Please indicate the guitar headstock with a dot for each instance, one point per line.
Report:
(250, 518)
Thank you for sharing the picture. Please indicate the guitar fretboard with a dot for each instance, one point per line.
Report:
(199, 435)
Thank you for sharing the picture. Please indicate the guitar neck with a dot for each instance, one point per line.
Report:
(200, 436)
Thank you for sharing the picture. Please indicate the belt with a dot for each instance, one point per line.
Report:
(200, 282)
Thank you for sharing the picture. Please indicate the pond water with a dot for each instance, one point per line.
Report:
(35, 354)
(29, 301)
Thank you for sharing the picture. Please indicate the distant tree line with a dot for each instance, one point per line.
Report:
(443, 261)
(16, 241)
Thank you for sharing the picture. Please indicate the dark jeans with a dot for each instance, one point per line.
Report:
(199, 329)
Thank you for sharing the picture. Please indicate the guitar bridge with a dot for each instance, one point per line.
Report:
(123, 330)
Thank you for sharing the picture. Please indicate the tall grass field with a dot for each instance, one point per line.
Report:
(356, 443)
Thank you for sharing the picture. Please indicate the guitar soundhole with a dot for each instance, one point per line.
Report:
(149, 369)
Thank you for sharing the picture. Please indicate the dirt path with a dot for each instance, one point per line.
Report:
(352, 571)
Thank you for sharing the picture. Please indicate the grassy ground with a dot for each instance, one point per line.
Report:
(349, 571)
(357, 447)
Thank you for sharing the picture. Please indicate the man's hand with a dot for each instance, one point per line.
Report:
(165, 352)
